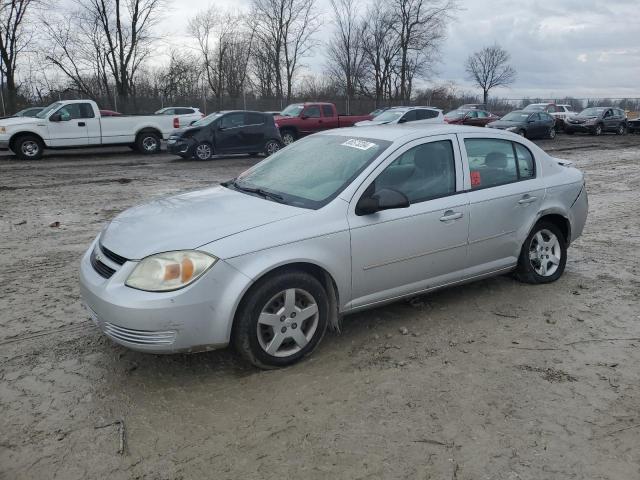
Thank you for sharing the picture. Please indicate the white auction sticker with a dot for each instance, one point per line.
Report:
(359, 144)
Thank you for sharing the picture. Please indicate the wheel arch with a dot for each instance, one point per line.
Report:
(22, 133)
(559, 220)
(148, 130)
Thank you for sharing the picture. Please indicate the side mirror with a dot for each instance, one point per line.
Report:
(192, 122)
(402, 120)
(303, 117)
(56, 117)
(384, 199)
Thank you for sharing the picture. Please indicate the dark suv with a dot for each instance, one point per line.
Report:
(597, 120)
(227, 132)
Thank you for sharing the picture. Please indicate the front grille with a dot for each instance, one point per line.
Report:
(102, 269)
(140, 337)
(114, 257)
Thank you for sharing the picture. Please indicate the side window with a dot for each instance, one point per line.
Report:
(491, 161)
(327, 111)
(232, 120)
(410, 116)
(551, 109)
(86, 111)
(422, 173)
(472, 114)
(70, 112)
(312, 112)
(608, 114)
(169, 111)
(482, 114)
(255, 119)
(424, 114)
(526, 165)
(184, 111)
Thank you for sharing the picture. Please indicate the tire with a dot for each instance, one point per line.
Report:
(536, 263)
(148, 143)
(597, 130)
(271, 147)
(288, 137)
(552, 133)
(203, 151)
(279, 340)
(28, 147)
(621, 130)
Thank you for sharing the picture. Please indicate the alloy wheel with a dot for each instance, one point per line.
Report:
(552, 133)
(545, 253)
(272, 147)
(287, 322)
(150, 144)
(288, 138)
(203, 151)
(30, 148)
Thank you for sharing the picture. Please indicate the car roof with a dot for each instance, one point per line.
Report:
(410, 131)
(407, 109)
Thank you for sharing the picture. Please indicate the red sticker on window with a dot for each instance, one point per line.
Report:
(475, 179)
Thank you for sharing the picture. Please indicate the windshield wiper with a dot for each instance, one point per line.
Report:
(259, 191)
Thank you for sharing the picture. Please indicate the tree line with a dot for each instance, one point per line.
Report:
(107, 50)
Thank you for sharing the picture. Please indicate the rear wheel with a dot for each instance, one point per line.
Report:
(622, 129)
(543, 256)
(281, 320)
(203, 151)
(148, 143)
(28, 147)
(552, 133)
(271, 147)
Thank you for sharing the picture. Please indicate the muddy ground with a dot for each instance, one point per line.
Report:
(494, 380)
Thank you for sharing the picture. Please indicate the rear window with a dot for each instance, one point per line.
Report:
(184, 111)
(424, 114)
(327, 111)
(494, 162)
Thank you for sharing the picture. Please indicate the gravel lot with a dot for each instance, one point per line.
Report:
(493, 380)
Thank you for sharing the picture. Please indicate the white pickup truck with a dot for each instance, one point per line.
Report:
(78, 124)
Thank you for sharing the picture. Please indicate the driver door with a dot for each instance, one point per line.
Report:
(311, 120)
(407, 250)
(69, 129)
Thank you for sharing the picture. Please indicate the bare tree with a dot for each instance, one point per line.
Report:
(284, 31)
(420, 26)
(490, 68)
(345, 52)
(15, 36)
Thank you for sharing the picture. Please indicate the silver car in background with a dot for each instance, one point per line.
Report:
(396, 115)
(335, 223)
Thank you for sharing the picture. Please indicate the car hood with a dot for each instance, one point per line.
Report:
(189, 220)
(365, 123)
(12, 121)
(186, 131)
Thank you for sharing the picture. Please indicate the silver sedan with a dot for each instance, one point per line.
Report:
(335, 223)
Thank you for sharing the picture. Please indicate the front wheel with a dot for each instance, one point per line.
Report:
(271, 147)
(621, 129)
(543, 255)
(28, 147)
(288, 137)
(281, 320)
(552, 133)
(203, 151)
(597, 131)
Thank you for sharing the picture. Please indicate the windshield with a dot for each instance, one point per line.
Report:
(51, 108)
(313, 171)
(388, 116)
(534, 107)
(207, 120)
(516, 117)
(455, 114)
(592, 112)
(292, 110)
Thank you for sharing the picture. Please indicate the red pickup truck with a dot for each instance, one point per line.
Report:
(300, 119)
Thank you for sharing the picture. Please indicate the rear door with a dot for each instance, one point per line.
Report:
(504, 198)
(253, 133)
(330, 117)
(402, 251)
(71, 128)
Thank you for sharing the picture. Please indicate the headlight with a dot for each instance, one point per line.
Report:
(591, 121)
(3, 130)
(170, 270)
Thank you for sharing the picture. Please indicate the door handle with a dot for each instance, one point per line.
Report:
(527, 199)
(82, 124)
(450, 215)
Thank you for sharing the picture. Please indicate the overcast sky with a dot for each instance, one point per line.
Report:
(584, 48)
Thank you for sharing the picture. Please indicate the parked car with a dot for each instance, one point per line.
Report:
(109, 113)
(78, 123)
(633, 126)
(29, 112)
(273, 113)
(598, 120)
(185, 115)
(300, 119)
(395, 115)
(473, 117)
(338, 222)
(527, 124)
(226, 132)
(559, 112)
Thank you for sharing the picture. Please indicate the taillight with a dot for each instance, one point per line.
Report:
(276, 124)
(176, 122)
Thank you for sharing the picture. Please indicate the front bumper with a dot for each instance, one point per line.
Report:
(4, 144)
(195, 318)
(180, 146)
(579, 127)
